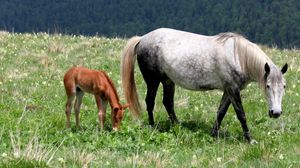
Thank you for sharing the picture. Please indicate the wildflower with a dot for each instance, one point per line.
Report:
(219, 159)
(281, 156)
(4, 154)
(61, 160)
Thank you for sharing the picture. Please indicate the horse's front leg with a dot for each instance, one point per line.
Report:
(224, 104)
(235, 98)
(101, 111)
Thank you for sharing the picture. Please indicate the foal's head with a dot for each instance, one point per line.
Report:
(274, 89)
(118, 113)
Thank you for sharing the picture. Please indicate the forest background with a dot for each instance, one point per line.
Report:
(270, 22)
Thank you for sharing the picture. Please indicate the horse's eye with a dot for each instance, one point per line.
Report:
(268, 86)
(283, 86)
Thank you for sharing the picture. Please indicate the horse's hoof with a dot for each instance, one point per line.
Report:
(176, 122)
(214, 133)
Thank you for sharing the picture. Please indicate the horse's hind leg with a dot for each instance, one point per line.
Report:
(168, 98)
(225, 102)
(78, 102)
(152, 77)
(152, 87)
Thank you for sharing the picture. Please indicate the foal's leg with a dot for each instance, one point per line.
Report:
(168, 98)
(101, 112)
(78, 102)
(235, 98)
(225, 102)
(69, 108)
(103, 109)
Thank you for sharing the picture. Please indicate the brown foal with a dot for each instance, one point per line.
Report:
(78, 80)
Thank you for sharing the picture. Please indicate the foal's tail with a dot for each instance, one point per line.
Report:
(127, 72)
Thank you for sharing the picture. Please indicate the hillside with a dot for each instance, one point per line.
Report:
(32, 117)
(271, 22)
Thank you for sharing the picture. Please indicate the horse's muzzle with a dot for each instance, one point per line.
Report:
(272, 114)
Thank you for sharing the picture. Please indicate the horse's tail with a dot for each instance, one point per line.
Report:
(127, 72)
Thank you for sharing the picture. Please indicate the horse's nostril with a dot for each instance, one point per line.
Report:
(272, 112)
(276, 115)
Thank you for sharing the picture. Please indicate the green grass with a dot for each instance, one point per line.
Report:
(32, 117)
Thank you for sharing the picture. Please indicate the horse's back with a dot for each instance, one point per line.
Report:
(190, 60)
(165, 39)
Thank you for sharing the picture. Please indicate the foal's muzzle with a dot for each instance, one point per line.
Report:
(273, 114)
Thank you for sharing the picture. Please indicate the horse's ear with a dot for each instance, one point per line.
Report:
(284, 68)
(267, 71)
(267, 68)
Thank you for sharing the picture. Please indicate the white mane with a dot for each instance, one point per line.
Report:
(252, 58)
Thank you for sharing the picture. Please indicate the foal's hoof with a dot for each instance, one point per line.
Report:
(253, 142)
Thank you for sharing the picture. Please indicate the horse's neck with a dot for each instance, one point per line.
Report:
(257, 70)
(254, 60)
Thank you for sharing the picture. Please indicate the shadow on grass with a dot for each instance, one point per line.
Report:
(200, 127)
(192, 125)
(90, 128)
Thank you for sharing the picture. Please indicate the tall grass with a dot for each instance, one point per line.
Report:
(32, 117)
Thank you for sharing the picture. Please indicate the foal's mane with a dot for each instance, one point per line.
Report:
(112, 85)
(251, 57)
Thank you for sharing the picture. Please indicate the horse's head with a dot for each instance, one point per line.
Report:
(274, 89)
(118, 113)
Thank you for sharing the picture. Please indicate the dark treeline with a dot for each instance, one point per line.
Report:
(272, 22)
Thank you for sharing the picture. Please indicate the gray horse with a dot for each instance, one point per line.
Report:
(227, 62)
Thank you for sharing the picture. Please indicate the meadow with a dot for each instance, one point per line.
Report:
(32, 114)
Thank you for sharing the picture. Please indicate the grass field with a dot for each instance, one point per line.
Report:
(32, 117)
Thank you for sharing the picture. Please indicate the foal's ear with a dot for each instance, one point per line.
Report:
(284, 68)
(116, 109)
(125, 106)
(267, 68)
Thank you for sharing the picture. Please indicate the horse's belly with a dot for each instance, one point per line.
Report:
(195, 81)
